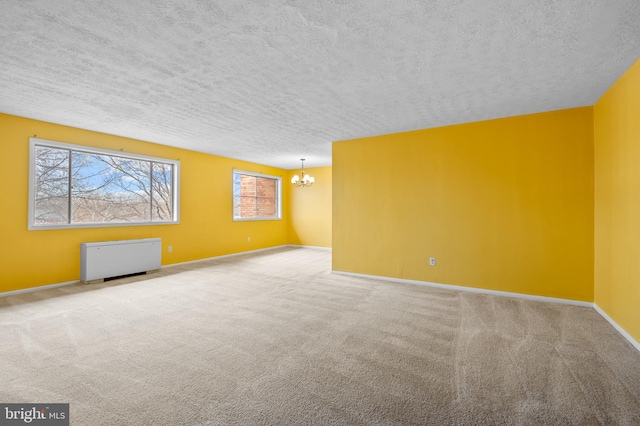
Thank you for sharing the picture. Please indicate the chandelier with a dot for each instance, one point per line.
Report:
(306, 179)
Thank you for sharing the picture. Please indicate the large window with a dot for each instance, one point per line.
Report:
(75, 186)
(256, 196)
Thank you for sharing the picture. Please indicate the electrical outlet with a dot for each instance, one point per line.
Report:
(248, 239)
(432, 261)
(170, 249)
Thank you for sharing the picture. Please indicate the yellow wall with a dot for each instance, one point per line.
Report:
(503, 204)
(35, 258)
(617, 201)
(310, 210)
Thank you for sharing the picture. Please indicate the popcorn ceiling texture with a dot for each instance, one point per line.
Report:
(271, 82)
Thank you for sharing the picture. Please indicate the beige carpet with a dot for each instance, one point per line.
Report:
(275, 338)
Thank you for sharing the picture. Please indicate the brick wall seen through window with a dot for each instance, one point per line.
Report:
(255, 196)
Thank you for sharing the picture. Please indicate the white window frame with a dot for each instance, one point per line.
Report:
(278, 180)
(34, 142)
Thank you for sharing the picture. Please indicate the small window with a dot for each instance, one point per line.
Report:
(72, 186)
(256, 196)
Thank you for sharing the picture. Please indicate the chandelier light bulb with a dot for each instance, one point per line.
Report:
(306, 179)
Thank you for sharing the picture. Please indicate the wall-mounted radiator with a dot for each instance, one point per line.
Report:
(116, 258)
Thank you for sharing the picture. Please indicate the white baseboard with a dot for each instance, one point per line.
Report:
(615, 325)
(311, 247)
(38, 288)
(45, 287)
(223, 256)
(471, 289)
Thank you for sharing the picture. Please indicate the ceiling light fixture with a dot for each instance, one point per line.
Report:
(306, 179)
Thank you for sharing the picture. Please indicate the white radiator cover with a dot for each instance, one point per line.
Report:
(115, 258)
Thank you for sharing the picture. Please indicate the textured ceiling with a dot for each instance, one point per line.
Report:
(274, 81)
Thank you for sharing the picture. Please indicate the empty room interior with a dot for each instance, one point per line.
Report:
(297, 212)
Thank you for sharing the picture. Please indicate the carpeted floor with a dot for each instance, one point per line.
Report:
(275, 338)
